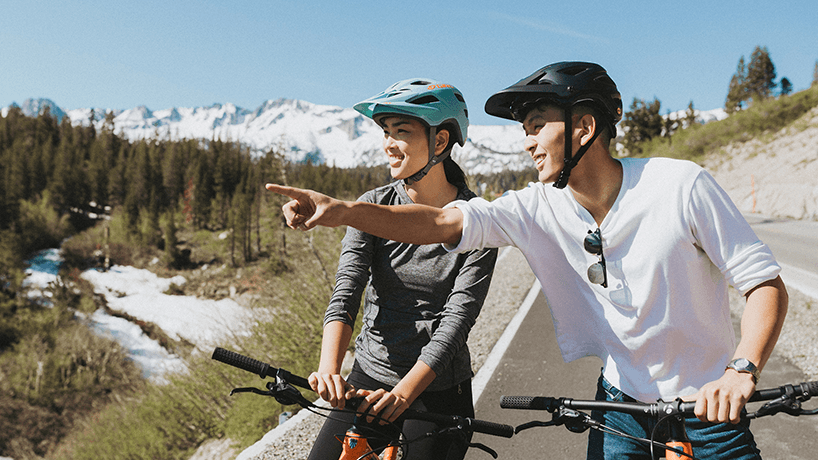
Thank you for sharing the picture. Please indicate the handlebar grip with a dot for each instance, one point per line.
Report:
(494, 429)
(263, 370)
(251, 365)
(809, 388)
(527, 402)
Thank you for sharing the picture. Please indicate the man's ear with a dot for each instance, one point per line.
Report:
(587, 126)
(441, 141)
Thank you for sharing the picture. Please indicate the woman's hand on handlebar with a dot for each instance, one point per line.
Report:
(332, 388)
(388, 405)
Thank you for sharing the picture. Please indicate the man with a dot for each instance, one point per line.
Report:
(634, 257)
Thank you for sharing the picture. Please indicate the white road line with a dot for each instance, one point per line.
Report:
(800, 279)
(487, 370)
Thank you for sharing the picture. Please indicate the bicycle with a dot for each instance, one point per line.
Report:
(356, 445)
(568, 412)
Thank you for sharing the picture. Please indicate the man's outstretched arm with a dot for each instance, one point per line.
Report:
(416, 224)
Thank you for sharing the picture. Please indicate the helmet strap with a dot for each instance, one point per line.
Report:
(571, 160)
(433, 159)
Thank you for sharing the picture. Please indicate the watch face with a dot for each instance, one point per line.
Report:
(742, 362)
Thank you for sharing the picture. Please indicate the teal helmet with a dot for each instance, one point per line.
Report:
(434, 103)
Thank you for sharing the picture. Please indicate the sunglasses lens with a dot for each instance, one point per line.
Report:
(593, 243)
(596, 273)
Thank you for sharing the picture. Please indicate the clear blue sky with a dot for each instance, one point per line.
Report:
(168, 53)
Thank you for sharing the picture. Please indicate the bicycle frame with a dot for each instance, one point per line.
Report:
(566, 411)
(355, 445)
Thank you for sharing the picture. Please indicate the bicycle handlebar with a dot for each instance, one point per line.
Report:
(478, 426)
(253, 366)
(805, 390)
(264, 370)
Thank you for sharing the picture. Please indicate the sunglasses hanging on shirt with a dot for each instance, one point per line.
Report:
(597, 273)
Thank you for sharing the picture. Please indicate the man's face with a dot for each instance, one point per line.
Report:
(545, 141)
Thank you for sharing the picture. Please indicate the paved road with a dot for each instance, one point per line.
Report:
(532, 366)
(795, 244)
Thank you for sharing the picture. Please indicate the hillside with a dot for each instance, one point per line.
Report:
(774, 174)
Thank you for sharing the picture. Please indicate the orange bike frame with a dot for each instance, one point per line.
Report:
(357, 447)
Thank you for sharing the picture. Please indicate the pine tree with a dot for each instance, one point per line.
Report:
(760, 74)
(172, 256)
(642, 123)
(173, 172)
(117, 191)
(66, 185)
(99, 165)
(202, 188)
(786, 86)
(737, 91)
(138, 189)
(669, 126)
(815, 74)
(690, 116)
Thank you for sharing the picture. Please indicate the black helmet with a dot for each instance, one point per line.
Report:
(564, 84)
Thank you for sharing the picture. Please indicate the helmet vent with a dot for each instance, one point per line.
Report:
(606, 80)
(427, 99)
(459, 97)
(421, 83)
(575, 70)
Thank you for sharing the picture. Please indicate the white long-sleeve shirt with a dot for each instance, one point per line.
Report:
(673, 240)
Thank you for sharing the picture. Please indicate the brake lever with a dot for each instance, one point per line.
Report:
(574, 420)
(283, 392)
(783, 404)
(533, 424)
(250, 390)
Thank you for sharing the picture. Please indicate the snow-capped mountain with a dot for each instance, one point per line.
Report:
(302, 130)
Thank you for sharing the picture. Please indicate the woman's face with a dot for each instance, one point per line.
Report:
(406, 143)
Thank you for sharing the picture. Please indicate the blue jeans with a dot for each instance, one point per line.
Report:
(709, 440)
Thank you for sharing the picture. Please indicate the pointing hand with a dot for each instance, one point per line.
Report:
(308, 208)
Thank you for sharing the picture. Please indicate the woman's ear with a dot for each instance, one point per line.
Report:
(441, 141)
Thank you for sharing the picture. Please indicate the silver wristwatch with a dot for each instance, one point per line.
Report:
(745, 366)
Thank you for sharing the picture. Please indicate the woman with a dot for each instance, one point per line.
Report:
(420, 301)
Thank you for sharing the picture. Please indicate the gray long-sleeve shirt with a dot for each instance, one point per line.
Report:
(420, 303)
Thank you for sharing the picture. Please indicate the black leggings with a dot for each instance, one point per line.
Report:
(453, 401)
